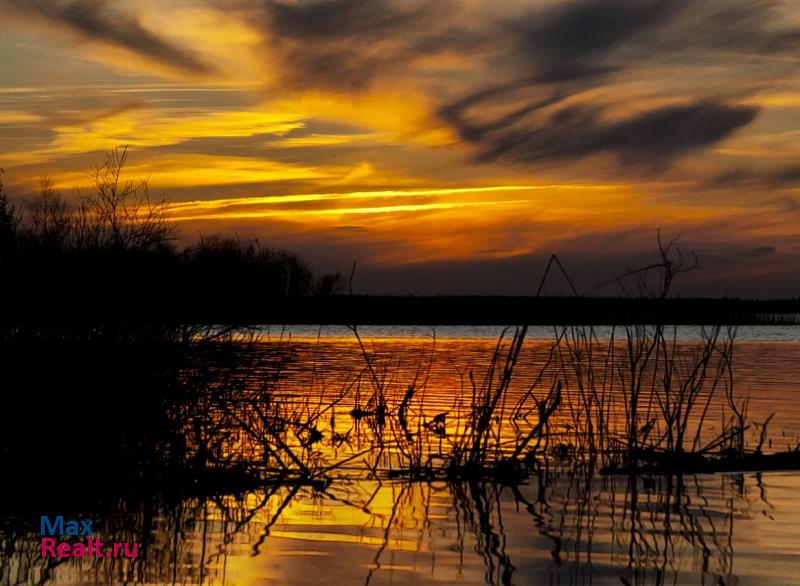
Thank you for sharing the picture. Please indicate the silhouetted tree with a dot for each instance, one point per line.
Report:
(8, 223)
(50, 222)
(250, 264)
(119, 213)
(117, 246)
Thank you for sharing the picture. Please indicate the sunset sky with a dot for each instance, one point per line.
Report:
(448, 146)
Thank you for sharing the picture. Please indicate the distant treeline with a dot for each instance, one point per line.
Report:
(499, 310)
(245, 307)
(114, 256)
(116, 248)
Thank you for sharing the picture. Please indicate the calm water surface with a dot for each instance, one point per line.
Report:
(565, 525)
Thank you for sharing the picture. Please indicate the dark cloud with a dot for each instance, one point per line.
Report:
(513, 105)
(731, 177)
(337, 44)
(345, 45)
(652, 138)
(741, 26)
(579, 46)
(776, 178)
(338, 19)
(588, 34)
(97, 20)
(476, 131)
(541, 57)
(758, 252)
(787, 176)
(576, 37)
(347, 69)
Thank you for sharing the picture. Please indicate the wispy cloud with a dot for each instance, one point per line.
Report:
(653, 138)
(346, 44)
(101, 20)
(527, 98)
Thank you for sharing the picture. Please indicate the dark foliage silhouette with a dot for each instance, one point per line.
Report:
(117, 248)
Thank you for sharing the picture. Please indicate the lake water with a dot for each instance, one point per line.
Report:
(757, 333)
(358, 524)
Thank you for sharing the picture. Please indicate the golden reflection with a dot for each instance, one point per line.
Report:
(359, 525)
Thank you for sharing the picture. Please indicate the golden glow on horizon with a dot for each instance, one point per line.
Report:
(215, 203)
(442, 223)
(346, 211)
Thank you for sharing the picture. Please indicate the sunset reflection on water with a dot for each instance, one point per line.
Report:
(566, 524)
